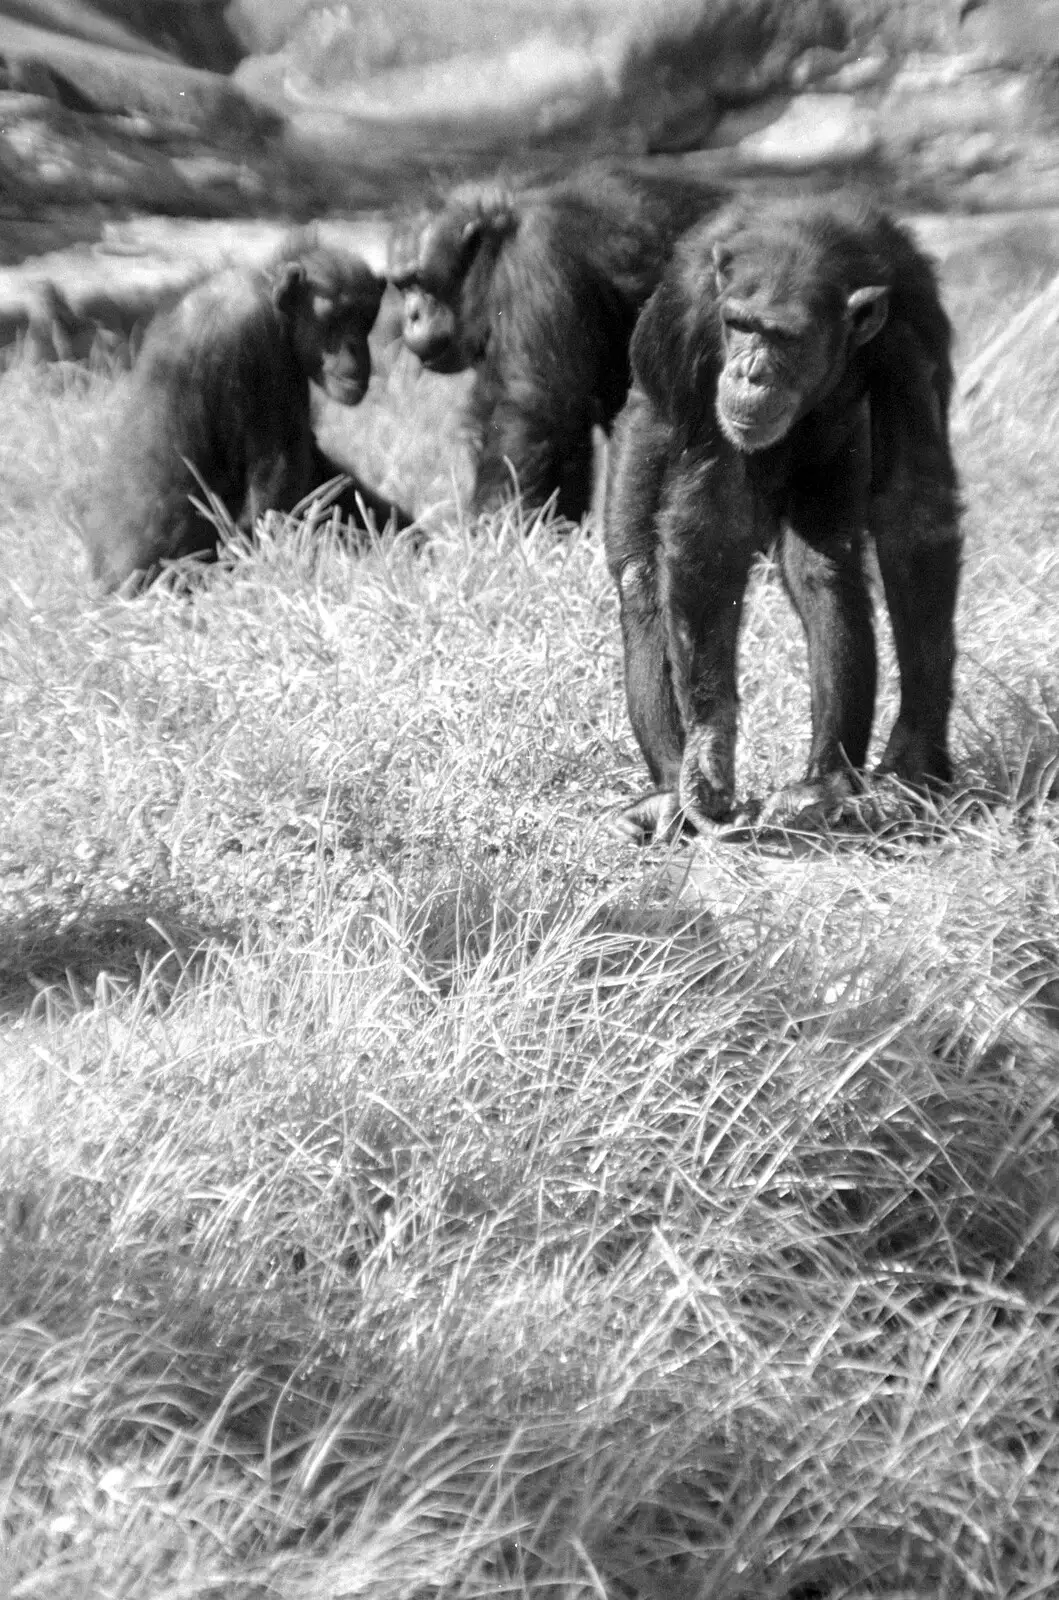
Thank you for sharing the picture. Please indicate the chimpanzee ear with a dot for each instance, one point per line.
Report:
(722, 266)
(289, 286)
(474, 231)
(867, 310)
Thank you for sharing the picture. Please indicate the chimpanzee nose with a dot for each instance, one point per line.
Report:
(755, 367)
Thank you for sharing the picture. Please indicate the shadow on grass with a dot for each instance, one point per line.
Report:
(50, 957)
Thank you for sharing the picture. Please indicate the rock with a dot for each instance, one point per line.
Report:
(815, 63)
(263, 26)
(197, 33)
(1013, 32)
(862, 73)
(835, 72)
(91, 77)
(643, 76)
(815, 130)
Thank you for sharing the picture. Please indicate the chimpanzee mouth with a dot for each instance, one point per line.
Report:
(445, 360)
(757, 425)
(347, 391)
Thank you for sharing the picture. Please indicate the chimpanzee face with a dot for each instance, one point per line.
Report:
(782, 349)
(332, 302)
(430, 265)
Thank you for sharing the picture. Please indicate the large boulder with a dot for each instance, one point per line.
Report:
(937, 102)
(116, 105)
(636, 75)
(141, 80)
(196, 32)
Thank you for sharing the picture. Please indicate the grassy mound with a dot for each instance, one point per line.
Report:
(409, 1191)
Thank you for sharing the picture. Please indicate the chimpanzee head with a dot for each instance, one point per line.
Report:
(444, 267)
(789, 319)
(330, 301)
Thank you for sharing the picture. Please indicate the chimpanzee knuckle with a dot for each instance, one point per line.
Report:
(707, 774)
(635, 579)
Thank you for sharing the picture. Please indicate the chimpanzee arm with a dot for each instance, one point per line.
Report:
(708, 538)
(639, 458)
(821, 560)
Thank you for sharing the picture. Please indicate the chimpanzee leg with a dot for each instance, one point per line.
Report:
(825, 581)
(915, 521)
(821, 556)
(708, 541)
(637, 467)
(547, 455)
(920, 575)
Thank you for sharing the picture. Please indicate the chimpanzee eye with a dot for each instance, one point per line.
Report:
(433, 285)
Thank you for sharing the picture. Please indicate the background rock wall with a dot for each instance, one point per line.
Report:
(296, 108)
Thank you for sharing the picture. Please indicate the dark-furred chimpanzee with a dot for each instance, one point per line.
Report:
(220, 393)
(791, 384)
(101, 328)
(538, 290)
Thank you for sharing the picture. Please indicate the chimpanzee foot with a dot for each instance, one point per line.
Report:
(706, 786)
(915, 762)
(807, 804)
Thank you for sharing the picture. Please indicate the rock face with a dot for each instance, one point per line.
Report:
(196, 32)
(939, 101)
(99, 118)
(295, 107)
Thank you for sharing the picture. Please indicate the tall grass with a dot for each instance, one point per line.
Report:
(407, 1189)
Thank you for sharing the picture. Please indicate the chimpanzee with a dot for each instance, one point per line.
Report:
(219, 395)
(792, 378)
(538, 290)
(55, 331)
(102, 327)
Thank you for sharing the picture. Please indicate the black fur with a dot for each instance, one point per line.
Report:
(538, 290)
(792, 379)
(220, 393)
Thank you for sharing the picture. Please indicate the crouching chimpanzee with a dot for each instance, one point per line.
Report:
(219, 396)
(791, 383)
(538, 290)
(103, 329)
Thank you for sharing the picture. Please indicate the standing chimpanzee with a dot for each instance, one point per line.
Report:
(792, 378)
(219, 395)
(538, 290)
